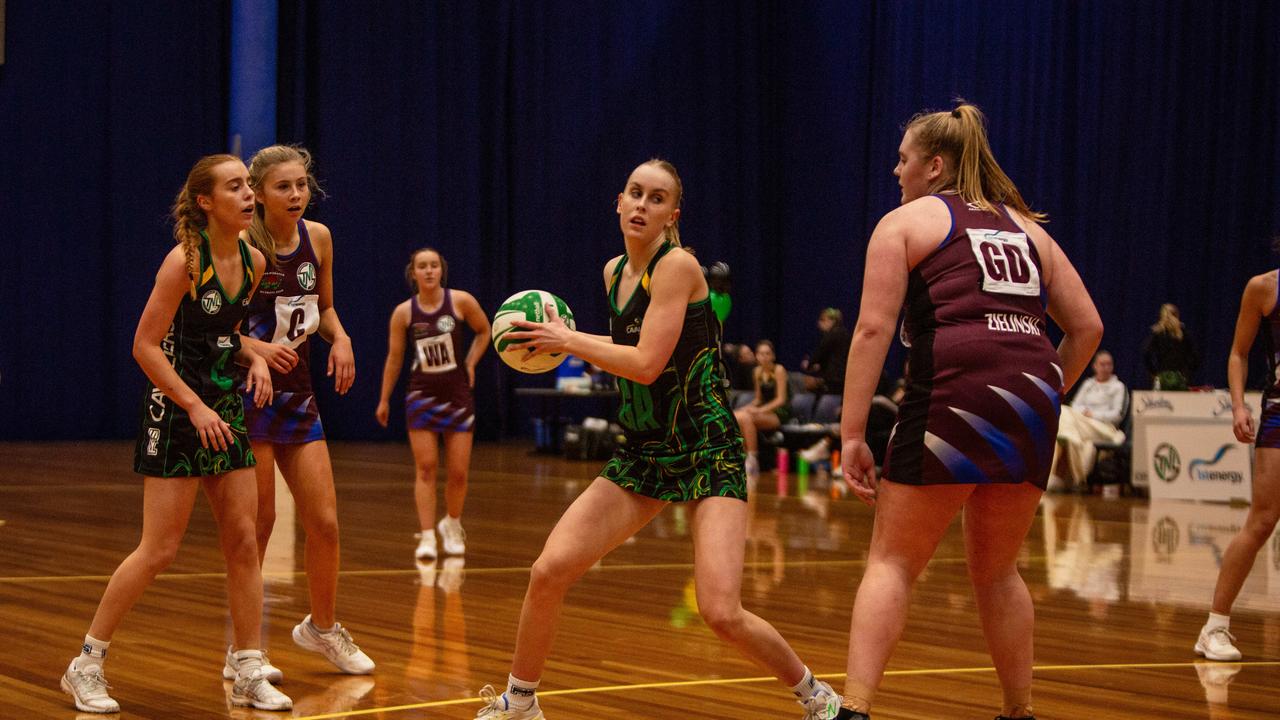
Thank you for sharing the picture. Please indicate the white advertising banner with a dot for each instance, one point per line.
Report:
(1176, 552)
(1197, 462)
(1157, 414)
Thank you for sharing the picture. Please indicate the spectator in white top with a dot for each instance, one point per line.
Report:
(1091, 418)
(1102, 397)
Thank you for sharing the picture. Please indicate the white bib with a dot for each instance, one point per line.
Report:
(297, 316)
(1005, 259)
(435, 354)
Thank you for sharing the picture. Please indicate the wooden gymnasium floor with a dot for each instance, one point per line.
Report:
(1121, 588)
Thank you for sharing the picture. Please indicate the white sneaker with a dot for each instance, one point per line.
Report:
(426, 545)
(452, 536)
(253, 690)
(498, 708)
(822, 705)
(817, 452)
(335, 645)
(88, 688)
(232, 666)
(1217, 644)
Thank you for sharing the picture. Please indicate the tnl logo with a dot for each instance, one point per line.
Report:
(307, 275)
(1167, 462)
(211, 301)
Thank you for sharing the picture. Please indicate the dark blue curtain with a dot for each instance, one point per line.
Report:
(502, 132)
(104, 107)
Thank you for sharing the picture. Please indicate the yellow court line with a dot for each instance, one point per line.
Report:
(749, 680)
(27, 579)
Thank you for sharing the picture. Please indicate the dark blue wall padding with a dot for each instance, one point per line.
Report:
(501, 132)
(251, 112)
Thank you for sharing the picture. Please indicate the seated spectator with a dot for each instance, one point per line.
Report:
(825, 367)
(768, 409)
(1093, 416)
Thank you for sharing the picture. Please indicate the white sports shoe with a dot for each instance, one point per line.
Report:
(253, 690)
(1217, 644)
(452, 536)
(497, 708)
(232, 666)
(88, 688)
(336, 645)
(822, 705)
(817, 452)
(426, 546)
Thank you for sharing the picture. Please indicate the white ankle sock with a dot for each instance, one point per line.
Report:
(247, 661)
(520, 693)
(1218, 621)
(807, 687)
(92, 652)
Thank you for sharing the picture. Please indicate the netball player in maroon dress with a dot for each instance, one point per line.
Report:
(973, 268)
(1260, 306)
(439, 397)
(294, 302)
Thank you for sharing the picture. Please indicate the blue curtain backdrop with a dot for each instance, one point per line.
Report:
(501, 133)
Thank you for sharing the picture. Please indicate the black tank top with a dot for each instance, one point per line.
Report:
(686, 407)
(202, 339)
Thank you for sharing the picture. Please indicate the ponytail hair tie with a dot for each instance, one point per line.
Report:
(956, 113)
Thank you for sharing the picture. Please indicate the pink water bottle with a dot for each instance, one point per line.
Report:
(784, 462)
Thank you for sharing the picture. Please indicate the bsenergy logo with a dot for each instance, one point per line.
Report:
(1203, 470)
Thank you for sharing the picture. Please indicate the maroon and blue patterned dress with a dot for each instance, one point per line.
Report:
(439, 398)
(286, 311)
(984, 384)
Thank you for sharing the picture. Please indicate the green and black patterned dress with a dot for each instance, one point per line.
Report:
(201, 345)
(682, 442)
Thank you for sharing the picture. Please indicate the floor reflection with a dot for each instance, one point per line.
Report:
(439, 663)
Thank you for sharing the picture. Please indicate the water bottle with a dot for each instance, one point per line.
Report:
(784, 462)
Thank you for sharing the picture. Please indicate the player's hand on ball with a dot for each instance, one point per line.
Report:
(551, 336)
(859, 467)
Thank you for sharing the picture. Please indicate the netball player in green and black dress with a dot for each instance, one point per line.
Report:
(193, 432)
(682, 445)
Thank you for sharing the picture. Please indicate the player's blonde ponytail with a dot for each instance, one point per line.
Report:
(960, 137)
